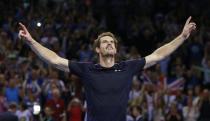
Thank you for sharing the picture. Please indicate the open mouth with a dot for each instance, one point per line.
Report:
(109, 48)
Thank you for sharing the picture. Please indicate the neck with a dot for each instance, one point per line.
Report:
(107, 61)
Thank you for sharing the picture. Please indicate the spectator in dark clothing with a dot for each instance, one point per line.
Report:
(137, 113)
(204, 105)
(174, 114)
(8, 116)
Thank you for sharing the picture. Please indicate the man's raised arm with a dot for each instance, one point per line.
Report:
(44, 53)
(170, 47)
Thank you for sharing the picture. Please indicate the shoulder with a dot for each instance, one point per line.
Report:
(135, 60)
(140, 62)
(79, 63)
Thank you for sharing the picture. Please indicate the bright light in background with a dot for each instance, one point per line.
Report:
(39, 24)
(36, 109)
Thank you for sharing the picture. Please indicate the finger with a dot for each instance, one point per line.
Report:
(188, 20)
(192, 28)
(22, 26)
(192, 23)
(22, 32)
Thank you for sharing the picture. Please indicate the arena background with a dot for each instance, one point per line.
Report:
(69, 27)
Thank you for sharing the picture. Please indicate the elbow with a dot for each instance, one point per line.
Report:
(158, 57)
(54, 61)
(161, 58)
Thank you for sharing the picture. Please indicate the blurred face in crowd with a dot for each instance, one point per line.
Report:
(75, 103)
(189, 102)
(53, 86)
(205, 94)
(179, 70)
(53, 74)
(150, 88)
(48, 111)
(190, 92)
(34, 74)
(135, 111)
(12, 108)
(136, 84)
(12, 83)
(106, 47)
(197, 90)
(56, 93)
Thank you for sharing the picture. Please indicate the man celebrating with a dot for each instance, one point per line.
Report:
(107, 83)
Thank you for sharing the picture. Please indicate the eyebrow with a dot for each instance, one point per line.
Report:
(107, 40)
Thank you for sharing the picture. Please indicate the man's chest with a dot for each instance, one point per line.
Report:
(108, 81)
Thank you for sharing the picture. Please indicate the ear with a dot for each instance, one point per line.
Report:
(97, 50)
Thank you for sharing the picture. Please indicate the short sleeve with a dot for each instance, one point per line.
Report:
(136, 65)
(77, 68)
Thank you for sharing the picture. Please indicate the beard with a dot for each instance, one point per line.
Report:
(108, 55)
(107, 51)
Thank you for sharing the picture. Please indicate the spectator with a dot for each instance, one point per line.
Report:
(75, 110)
(206, 66)
(190, 112)
(31, 84)
(24, 113)
(204, 106)
(3, 103)
(159, 108)
(53, 81)
(12, 92)
(198, 94)
(56, 104)
(48, 115)
(137, 113)
(174, 114)
(135, 89)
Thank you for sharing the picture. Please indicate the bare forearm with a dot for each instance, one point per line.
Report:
(170, 47)
(47, 55)
(44, 53)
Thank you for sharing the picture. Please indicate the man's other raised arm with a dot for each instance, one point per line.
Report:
(44, 53)
(170, 47)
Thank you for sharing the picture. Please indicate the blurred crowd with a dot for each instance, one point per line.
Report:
(176, 89)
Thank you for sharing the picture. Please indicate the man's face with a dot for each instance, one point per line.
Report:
(107, 46)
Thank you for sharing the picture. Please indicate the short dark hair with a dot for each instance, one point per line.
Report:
(139, 109)
(97, 41)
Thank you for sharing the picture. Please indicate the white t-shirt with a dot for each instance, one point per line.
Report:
(190, 114)
(24, 115)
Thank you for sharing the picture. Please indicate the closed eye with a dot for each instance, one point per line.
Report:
(104, 41)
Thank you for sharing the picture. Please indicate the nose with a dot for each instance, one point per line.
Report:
(109, 42)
